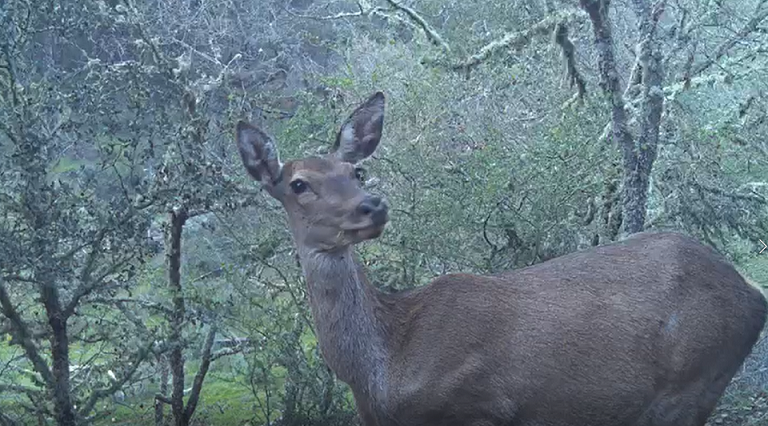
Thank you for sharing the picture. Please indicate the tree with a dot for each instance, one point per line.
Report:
(91, 157)
(639, 152)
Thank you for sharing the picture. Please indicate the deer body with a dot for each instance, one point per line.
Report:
(644, 332)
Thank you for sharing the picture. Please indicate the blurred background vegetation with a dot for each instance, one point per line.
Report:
(145, 280)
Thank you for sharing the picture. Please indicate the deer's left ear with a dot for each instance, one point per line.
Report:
(259, 155)
(361, 132)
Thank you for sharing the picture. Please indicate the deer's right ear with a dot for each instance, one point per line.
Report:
(361, 132)
(259, 155)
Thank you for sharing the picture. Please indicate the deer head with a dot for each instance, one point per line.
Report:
(327, 206)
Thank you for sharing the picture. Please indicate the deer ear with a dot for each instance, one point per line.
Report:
(361, 132)
(259, 155)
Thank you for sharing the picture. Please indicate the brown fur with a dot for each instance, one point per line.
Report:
(643, 332)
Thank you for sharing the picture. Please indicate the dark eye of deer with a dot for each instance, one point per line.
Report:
(298, 186)
(360, 174)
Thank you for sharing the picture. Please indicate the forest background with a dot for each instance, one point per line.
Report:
(145, 280)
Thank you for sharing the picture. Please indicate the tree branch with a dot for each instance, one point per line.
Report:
(748, 28)
(197, 384)
(518, 39)
(116, 385)
(754, 197)
(431, 34)
(609, 76)
(418, 21)
(119, 302)
(90, 261)
(18, 389)
(341, 15)
(163, 399)
(572, 75)
(87, 287)
(20, 331)
(12, 277)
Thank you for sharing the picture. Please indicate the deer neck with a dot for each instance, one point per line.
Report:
(347, 311)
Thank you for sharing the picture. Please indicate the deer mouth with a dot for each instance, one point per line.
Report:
(372, 229)
(369, 232)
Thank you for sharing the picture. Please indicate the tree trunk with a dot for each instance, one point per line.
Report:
(637, 178)
(173, 246)
(638, 154)
(62, 401)
(162, 363)
(181, 414)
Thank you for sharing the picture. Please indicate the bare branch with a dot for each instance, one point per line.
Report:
(92, 242)
(90, 262)
(17, 389)
(381, 12)
(431, 34)
(415, 19)
(518, 39)
(758, 17)
(230, 351)
(341, 15)
(753, 197)
(671, 91)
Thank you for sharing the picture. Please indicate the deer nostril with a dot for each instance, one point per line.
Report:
(369, 205)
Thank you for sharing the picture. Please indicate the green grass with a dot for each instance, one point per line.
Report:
(221, 403)
(756, 269)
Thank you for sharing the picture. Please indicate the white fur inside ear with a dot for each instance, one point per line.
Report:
(347, 136)
(347, 143)
(249, 155)
(259, 154)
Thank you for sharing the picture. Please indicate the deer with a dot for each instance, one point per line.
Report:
(645, 331)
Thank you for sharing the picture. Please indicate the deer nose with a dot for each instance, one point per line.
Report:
(370, 205)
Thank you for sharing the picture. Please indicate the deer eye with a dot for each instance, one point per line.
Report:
(360, 174)
(298, 186)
